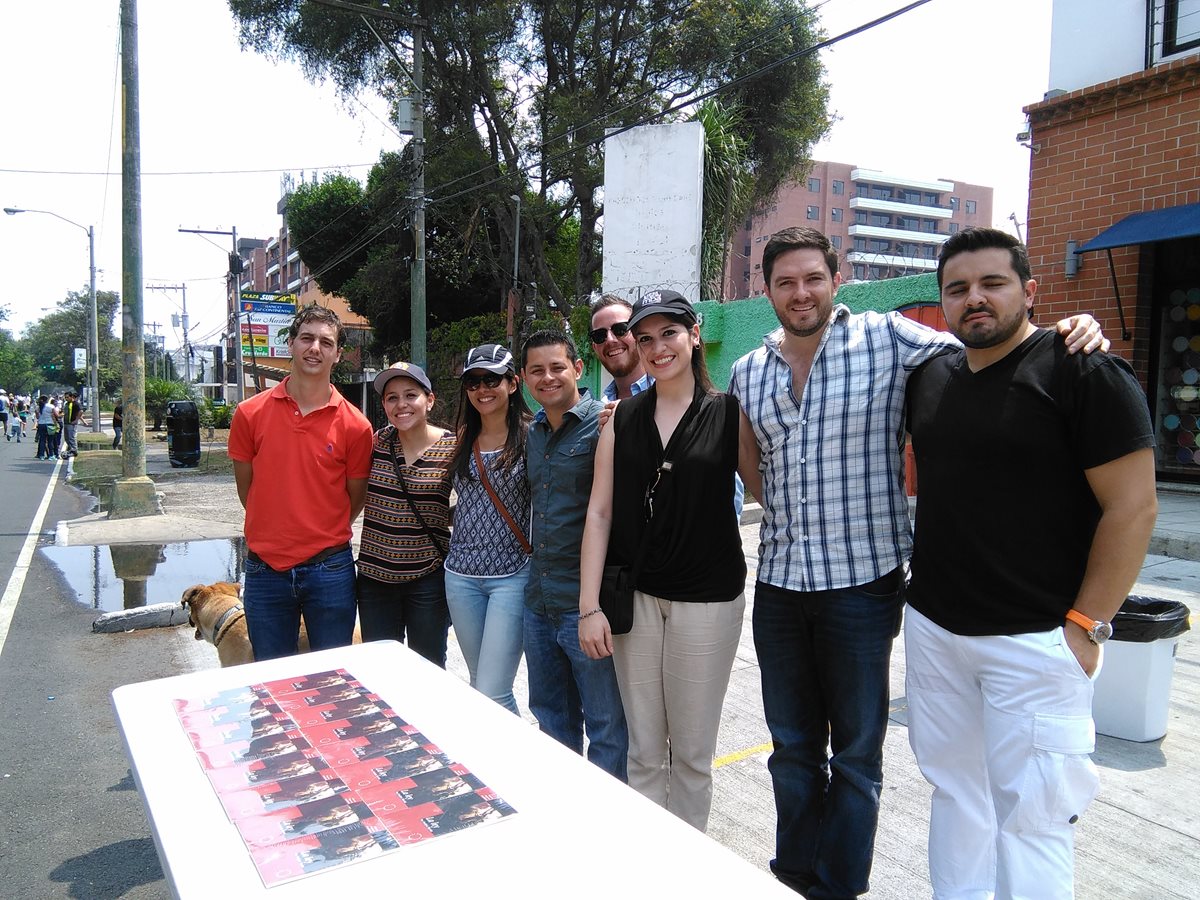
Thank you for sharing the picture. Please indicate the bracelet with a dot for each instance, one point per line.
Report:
(583, 616)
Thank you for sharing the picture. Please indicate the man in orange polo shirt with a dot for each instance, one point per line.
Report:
(301, 456)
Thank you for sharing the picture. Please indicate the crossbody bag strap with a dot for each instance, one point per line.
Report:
(411, 502)
(498, 503)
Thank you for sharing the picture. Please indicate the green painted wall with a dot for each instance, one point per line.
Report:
(731, 330)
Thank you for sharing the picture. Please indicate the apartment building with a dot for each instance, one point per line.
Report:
(883, 224)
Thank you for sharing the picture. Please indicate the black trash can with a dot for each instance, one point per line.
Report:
(183, 434)
(1133, 692)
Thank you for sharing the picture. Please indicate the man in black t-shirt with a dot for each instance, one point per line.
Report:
(1035, 507)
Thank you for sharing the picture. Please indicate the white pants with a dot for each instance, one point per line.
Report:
(1001, 727)
(673, 670)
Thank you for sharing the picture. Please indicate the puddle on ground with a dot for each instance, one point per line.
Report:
(126, 576)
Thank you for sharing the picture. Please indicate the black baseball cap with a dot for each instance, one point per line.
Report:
(402, 370)
(490, 358)
(667, 303)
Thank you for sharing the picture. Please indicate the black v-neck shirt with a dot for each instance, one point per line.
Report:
(694, 550)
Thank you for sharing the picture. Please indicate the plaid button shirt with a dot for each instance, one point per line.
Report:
(835, 513)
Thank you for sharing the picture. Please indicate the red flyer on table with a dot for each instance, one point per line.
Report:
(242, 752)
(306, 818)
(265, 798)
(266, 771)
(312, 853)
(367, 748)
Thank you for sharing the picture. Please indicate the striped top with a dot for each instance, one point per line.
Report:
(835, 514)
(394, 546)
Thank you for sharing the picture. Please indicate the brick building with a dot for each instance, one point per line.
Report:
(273, 265)
(883, 224)
(1114, 205)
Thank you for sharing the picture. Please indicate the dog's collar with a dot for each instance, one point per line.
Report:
(226, 620)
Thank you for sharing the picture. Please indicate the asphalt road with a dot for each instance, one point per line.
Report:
(71, 820)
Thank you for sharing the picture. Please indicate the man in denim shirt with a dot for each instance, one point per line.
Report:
(567, 690)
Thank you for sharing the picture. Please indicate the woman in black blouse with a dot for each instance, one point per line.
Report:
(673, 667)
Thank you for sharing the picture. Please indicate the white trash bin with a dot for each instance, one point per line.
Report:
(1133, 692)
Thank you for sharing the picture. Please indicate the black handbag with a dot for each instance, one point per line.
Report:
(616, 598)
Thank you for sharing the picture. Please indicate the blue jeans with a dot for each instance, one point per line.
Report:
(823, 658)
(487, 617)
(386, 611)
(323, 592)
(567, 691)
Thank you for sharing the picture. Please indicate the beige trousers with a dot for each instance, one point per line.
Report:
(673, 669)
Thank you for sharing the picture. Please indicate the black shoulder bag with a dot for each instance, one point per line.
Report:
(412, 503)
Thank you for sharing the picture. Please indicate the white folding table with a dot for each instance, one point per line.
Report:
(577, 832)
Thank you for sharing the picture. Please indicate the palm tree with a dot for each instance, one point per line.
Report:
(160, 392)
(728, 191)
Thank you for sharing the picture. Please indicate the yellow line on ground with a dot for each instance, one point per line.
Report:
(739, 755)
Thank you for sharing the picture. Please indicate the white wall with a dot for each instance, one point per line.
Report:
(653, 196)
(1093, 41)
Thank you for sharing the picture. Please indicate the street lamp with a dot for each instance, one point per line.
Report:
(94, 350)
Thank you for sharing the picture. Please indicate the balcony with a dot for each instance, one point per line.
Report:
(272, 269)
(875, 176)
(902, 209)
(896, 234)
(887, 259)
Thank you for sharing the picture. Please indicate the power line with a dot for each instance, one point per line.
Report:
(191, 173)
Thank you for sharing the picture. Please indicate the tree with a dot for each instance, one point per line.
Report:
(51, 340)
(160, 392)
(17, 371)
(520, 94)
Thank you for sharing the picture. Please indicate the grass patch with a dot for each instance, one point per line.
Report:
(214, 461)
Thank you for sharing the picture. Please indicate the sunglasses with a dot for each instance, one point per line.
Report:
(600, 335)
(491, 380)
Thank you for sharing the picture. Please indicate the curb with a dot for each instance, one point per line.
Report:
(158, 615)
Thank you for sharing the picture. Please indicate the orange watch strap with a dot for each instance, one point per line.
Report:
(1081, 620)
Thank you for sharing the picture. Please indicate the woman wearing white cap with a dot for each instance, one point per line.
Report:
(662, 504)
(406, 521)
(488, 563)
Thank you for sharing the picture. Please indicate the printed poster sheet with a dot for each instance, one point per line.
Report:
(316, 771)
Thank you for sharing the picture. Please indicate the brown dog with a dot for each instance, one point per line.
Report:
(215, 611)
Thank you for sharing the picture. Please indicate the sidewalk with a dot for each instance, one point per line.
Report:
(1140, 839)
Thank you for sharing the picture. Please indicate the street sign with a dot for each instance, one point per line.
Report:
(264, 320)
(80, 359)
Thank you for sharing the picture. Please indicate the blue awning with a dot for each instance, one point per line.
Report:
(1148, 228)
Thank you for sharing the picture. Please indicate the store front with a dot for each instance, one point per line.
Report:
(1169, 283)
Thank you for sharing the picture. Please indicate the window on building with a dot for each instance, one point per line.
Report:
(929, 225)
(912, 197)
(839, 187)
(909, 223)
(860, 218)
(970, 207)
(933, 199)
(746, 250)
(860, 243)
(836, 240)
(835, 214)
(814, 185)
(954, 228)
(1181, 25)
(879, 246)
(814, 212)
(881, 221)
(954, 203)
(748, 224)
(860, 273)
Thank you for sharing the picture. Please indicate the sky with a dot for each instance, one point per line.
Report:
(935, 93)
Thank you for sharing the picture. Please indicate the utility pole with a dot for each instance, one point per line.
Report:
(235, 273)
(133, 493)
(417, 77)
(187, 356)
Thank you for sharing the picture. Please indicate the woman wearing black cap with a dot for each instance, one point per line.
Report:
(662, 503)
(488, 563)
(406, 521)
